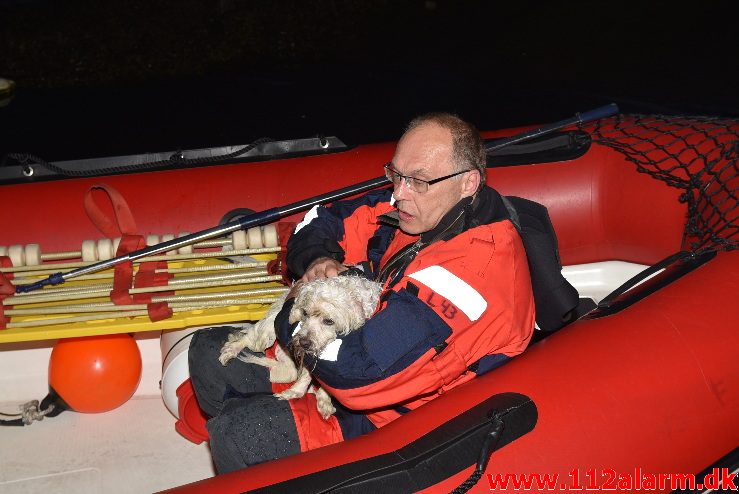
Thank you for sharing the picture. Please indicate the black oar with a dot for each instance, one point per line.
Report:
(274, 214)
(579, 118)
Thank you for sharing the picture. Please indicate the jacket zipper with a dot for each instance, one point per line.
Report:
(406, 255)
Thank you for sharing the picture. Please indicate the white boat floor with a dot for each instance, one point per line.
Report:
(133, 449)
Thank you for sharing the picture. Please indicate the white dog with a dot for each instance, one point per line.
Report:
(324, 310)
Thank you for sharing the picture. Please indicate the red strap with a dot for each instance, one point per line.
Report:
(158, 311)
(147, 276)
(279, 265)
(5, 262)
(3, 320)
(6, 287)
(123, 272)
(124, 223)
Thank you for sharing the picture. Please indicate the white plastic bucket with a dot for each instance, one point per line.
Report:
(175, 371)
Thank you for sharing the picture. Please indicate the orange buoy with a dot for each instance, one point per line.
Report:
(97, 373)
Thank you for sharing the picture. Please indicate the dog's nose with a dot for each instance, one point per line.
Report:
(304, 342)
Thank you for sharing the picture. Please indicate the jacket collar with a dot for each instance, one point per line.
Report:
(483, 208)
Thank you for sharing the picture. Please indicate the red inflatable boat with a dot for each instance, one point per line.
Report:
(638, 392)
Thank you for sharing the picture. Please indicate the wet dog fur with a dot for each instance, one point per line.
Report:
(325, 309)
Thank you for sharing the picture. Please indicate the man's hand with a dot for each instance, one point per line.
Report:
(323, 267)
(294, 289)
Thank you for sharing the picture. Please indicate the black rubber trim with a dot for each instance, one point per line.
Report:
(584, 307)
(439, 454)
(558, 146)
(13, 172)
(674, 267)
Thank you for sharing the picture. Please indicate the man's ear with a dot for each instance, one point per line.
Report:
(470, 184)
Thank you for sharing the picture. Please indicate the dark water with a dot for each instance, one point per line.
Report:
(105, 80)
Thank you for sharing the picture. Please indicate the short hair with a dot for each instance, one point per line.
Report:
(468, 150)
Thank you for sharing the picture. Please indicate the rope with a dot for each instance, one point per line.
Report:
(488, 446)
(176, 159)
(469, 483)
(30, 412)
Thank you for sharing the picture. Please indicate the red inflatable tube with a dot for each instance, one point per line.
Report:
(601, 207)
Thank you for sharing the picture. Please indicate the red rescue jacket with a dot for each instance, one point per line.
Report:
(456, 304)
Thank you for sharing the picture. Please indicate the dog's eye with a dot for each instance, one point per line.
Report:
(328, 322)
(305, 313)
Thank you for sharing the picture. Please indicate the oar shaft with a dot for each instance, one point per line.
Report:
(249, 221)
(252, 220)
(579, 118)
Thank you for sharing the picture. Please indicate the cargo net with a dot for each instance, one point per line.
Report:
(699, 155)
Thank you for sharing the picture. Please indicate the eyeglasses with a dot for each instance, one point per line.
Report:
(415, 184)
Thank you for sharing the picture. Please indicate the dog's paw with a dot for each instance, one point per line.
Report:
(326, 409)
(231, 348)
(227, 354)
(260, 343)
(324, 404)
(289, 394)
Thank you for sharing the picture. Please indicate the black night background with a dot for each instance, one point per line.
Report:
(111, 78)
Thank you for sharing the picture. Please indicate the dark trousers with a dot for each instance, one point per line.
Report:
(248, 425)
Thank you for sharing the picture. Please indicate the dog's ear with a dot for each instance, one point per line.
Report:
(368, 298)
(301, 301)
(368, 309)
(295, 314)
(360, 309)
(352, 313)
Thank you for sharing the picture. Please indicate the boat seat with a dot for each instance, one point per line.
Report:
(555, 298)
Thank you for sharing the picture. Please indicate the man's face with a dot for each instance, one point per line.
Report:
(425, 152)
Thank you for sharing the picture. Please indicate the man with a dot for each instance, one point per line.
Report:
(457, 302)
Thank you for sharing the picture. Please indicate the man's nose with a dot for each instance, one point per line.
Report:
(400, 191)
